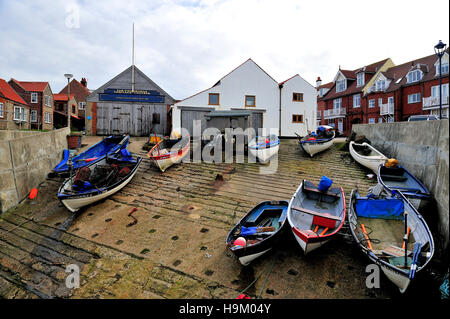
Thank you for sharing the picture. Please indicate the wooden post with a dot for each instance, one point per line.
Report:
(406, 239)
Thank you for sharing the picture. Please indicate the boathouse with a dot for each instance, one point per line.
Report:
(129, 103)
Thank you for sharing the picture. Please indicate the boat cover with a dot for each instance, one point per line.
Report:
(388, 208)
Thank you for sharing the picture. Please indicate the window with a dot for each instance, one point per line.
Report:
(249, 100)
(390, 120)
(380, 101)
(360, 79)
(74, 110)
(321, 92)
(337, 103)
(379, 85)
(24, 112)
(444, 67)
(297, 97)
(371, 121)
(380, 120)
(2, 110)
(33, 115)
(34, 97)
(391, 100)
(435, 90)
(341, 85)
(296, 118)
(414, 76)
(156, 118)
(372, 103)
(356, 100)
(213, 99)
(17, 113)
(47, 118)
(47, 101)
(82, 105)
(414, 98)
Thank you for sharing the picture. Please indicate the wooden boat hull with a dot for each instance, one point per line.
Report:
(420, 231)
(301, 223)
(246, 255)
(400, 179)
(372, 162)
(75, 202)
(164, 161)
(264, 151)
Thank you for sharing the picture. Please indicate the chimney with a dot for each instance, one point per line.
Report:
(84, 82)
(318, 82)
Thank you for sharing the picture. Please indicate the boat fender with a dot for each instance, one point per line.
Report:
(33, 193)
(311, 139)
(392, 162)
(240, 241)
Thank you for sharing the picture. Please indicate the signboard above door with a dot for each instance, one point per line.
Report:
(126, 95)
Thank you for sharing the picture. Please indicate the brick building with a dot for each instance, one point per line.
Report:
(14, 111)
(63, 110)
(39, 97)
(81, 92)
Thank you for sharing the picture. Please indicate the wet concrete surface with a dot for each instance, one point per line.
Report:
(177, 247)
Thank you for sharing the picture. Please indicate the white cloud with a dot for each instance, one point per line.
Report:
(186, 46)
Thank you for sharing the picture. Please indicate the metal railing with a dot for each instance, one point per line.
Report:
(334, 113)
(386, 109)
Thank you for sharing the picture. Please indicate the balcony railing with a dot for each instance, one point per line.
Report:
(432, 102)
(319, 115)
(386, 109)
(334, 113)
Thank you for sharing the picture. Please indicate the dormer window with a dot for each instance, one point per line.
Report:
(380, 85)
(444, 68)
(341, 85)
(360, 79)
(414, 76)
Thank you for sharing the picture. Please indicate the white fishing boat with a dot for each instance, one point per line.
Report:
(169, 151)
(367, 155)
(318, 142)
(102, 179)
(264, 147)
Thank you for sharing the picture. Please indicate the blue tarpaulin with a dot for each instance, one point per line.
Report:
(324, 184)
(247, 231)
(380, 208)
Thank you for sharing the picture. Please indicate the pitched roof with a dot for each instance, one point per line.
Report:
(78, 89)
(33, 86)
(9, 93)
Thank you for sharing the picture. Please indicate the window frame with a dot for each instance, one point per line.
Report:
(254, 101)
(412, 79)
(371, 105)
(20, 113)
(340, 103)
(372, 120)
(35, 100)
(360, 79)
(410, 99)
(47, 118)
(359, 99)
(300, 95)
(47, 101)
(297, 118)
(81, 105)
(213, 94)
(338, 85)
(35, 116)
(2, 110)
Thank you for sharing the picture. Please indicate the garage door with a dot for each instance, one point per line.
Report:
(189, 116)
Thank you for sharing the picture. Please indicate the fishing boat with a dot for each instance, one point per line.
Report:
(315, 216)
(169, 151)
(98, 180)
(367, 155)
(264, 147)
(96, 152)
(258, 231)
(399, 178)
(392, 234)
(317, 142)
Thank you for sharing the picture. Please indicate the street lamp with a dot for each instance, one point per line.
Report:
(68, 77)
(439, 49)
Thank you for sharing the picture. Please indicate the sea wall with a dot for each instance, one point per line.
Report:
(421, 147)
(25, 160)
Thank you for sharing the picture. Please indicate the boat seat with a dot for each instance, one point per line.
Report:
(320, 219)
(317, 191)
(394, 178)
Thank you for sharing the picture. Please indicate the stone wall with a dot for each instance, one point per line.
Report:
(421, 147)
(25, 160)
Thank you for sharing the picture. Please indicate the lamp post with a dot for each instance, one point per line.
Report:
(439, 49)
(68, 77)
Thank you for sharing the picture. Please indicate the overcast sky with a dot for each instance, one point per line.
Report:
(186, 46)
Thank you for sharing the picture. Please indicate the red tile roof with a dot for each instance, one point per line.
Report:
(33, 86)
(61, 97)
(9, 93)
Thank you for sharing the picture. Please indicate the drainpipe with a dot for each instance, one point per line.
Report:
(280, 86)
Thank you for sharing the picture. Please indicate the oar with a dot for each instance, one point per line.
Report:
(412, 271)
(87, 160)
(405, 239)
(407, 235)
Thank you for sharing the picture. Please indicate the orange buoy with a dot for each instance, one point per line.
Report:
(33, 193)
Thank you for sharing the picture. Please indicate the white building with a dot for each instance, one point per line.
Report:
(251, 96)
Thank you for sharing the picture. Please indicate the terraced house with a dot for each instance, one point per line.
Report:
(14, 111)
(39, 97)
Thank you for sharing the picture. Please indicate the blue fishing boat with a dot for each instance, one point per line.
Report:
(258, 231)
(96, 152)
(399, 178)
(391, 233)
